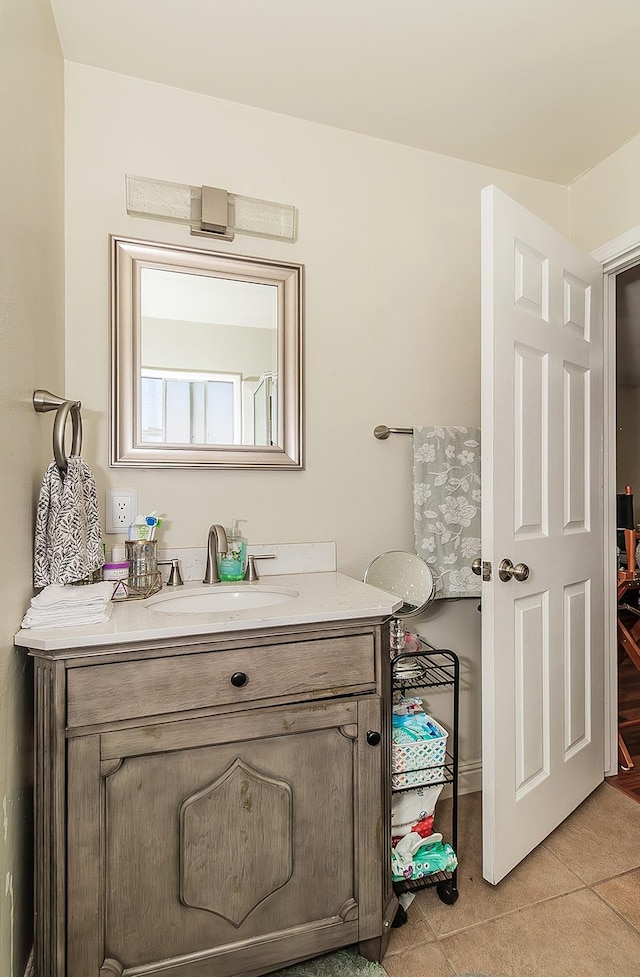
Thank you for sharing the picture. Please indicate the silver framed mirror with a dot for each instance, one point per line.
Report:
(405, 575)
(206, 359)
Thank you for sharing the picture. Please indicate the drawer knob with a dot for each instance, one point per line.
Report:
(239, 679)
(373, 737)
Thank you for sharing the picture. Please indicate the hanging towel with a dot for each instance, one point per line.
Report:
(66, 606)
(68, 535)
(446, 505)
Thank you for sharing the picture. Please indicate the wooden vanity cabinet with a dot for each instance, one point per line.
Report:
(212, 809)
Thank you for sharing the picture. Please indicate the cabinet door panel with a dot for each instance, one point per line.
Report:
(145, 856)
(209, 851)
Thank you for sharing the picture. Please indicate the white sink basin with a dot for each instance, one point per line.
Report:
(220, 598)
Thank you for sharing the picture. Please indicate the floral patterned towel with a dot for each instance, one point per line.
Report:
(446, 505)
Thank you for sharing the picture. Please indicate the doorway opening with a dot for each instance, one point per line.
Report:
(627, 322)
(618, 256)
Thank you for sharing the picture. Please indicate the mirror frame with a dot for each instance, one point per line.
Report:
(128, 257)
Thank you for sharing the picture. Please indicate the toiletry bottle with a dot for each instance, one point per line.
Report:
(232, 564)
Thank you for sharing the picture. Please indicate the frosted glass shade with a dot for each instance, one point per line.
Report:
(182, 204)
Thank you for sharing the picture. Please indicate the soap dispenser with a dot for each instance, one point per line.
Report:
(233, 562)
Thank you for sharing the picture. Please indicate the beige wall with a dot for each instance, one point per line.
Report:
(31, 354)
(225, 349)
(390, 237)
(606, 201)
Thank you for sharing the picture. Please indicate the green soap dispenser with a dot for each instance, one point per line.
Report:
(233, 563)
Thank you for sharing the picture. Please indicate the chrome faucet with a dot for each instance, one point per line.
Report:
(217, 546)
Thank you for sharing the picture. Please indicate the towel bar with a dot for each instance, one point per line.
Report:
(44, 401)
(382, 432)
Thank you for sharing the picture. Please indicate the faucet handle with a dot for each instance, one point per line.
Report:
(251, 573)
(175, 577)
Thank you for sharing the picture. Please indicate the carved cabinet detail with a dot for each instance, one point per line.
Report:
(251, 815)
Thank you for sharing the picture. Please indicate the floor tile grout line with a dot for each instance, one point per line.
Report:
(425, 917)
(590, 882)
(635, 929)
(512, 912)
(618, 875)
(410, 949)
(561, 861)
(562, 895)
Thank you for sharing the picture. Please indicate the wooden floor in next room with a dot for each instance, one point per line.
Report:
(629, 708)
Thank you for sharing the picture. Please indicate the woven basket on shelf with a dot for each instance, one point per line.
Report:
(419, 762)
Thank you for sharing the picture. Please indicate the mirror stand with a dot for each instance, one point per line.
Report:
(398, 637)
(409, 577)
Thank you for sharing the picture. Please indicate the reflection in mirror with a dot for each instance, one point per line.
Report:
(206, 352)
(209, 357)
(406, 576)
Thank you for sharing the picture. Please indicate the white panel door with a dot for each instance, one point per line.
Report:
(542, 484)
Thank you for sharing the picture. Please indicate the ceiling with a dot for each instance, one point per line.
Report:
(546, 88)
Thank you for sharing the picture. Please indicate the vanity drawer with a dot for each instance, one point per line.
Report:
(126, 690)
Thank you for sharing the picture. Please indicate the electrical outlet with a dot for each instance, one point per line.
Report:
(121, 509)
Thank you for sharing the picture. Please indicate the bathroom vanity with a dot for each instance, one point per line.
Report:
(212, 789)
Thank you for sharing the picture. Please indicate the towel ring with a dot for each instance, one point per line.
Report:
(58, 433)
(45, 401)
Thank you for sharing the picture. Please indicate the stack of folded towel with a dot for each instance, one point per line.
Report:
(65, 606)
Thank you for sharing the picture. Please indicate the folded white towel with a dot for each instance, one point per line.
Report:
(66, 606)
(61, 595)
(69, 619)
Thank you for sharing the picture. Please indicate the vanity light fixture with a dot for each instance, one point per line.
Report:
(210, 211)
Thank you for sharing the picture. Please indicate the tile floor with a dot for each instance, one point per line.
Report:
(571, 909)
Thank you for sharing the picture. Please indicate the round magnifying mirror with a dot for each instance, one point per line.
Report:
(406, 576)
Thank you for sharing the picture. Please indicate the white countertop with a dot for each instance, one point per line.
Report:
(321, 597)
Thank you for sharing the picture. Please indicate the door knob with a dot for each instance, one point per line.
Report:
(507, 570)
(476, 566)
(373, 737)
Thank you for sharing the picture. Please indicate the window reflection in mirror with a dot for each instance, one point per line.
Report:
(208, 345)
(206, 352)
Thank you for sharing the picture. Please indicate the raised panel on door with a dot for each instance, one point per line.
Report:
(531, 654)
(531, 380)
(577, 654)
(577, 453)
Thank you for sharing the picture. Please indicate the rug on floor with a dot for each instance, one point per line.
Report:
(343, 963)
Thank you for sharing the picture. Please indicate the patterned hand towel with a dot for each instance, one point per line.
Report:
(446, 505)
(68, 535)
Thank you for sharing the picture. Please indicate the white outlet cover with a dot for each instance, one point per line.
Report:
(121, 508)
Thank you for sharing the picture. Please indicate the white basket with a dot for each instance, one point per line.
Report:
(421, 762)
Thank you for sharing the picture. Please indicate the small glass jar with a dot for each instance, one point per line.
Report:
(142, 554)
